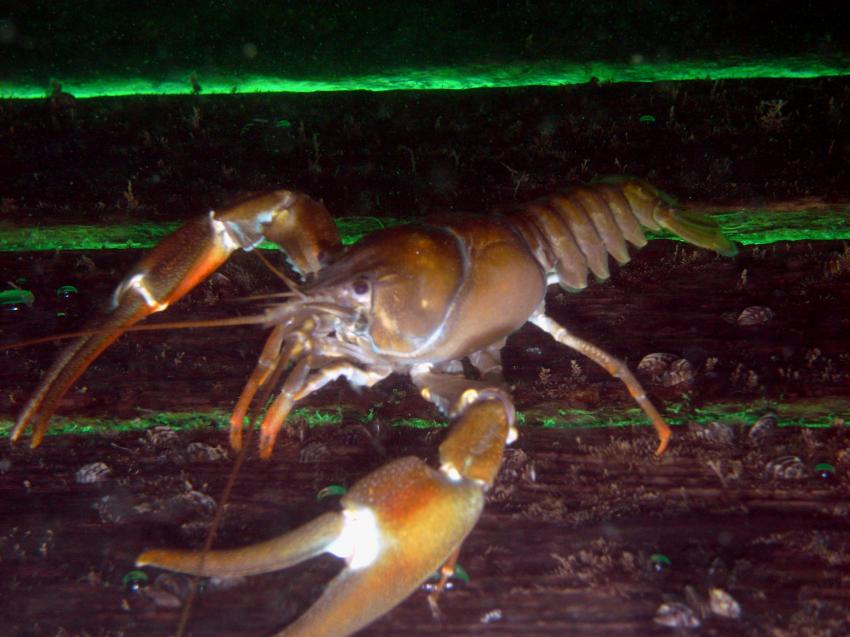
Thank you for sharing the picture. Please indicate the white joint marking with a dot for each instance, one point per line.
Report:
(421, 368)
(233, 235)
(224, 233)
(467, 398)
(450, 471)
(470, 396)
(359, 542)
(137, 284)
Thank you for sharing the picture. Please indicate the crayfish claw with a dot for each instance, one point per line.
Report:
(300, 225)
(284, 551)
(398, 525)
(71, 363)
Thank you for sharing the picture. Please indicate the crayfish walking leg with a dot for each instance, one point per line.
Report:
(613, 366)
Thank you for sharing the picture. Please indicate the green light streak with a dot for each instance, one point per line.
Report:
(179, 421)
(141, 235)
(816, 414)
(755, 227)
(760, 226)
(318, 417)
(419, 423)
(552, 73)
(820, 413)
(749, 227)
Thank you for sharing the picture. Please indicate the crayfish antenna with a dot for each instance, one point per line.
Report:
(294, 288)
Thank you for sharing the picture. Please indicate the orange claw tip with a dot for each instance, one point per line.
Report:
(15, 436)
(662, 445)
(154, 557)
(36, 438)
(266, 446)
(38, 433)
(272, 424)
(146, 558)
(235, 437)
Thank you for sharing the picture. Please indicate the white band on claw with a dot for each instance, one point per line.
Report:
(359, 542)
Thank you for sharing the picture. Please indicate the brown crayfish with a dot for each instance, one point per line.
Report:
(417, 300)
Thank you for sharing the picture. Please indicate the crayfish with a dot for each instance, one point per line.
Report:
(417, 299)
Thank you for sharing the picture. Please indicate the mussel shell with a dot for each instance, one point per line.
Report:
(723, 604)
(763, 428)
(786, 468)
(676, 615)
(755, 315)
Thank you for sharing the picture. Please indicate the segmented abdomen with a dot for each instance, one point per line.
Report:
(572, 232)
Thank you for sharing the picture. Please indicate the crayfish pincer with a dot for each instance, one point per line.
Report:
(417, 299)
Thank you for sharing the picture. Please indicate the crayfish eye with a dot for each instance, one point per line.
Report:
(361, 286)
